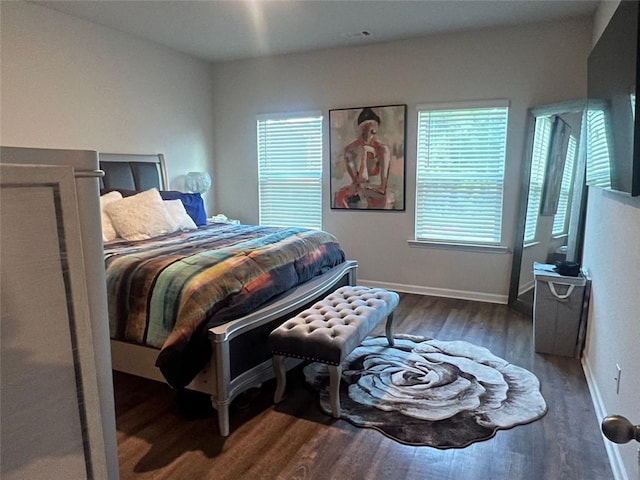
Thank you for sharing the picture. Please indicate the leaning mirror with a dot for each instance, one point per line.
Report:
(551, 209)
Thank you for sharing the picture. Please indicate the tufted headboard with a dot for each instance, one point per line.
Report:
(132, 171)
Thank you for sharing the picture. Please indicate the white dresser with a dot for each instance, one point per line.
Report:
(57, 408)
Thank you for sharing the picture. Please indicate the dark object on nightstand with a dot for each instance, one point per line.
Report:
(568, 269)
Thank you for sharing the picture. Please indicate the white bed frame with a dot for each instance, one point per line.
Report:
(216, 378)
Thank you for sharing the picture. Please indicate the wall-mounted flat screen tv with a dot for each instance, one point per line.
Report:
(613, 126)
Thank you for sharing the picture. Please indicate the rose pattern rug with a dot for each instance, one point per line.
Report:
(424, 391)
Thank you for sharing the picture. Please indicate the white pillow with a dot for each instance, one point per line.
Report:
(179, 214)
(141, 216)
(108, 232)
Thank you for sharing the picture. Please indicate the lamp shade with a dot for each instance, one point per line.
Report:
(197, 182)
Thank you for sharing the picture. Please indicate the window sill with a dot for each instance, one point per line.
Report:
(531, 244)
(471, 247)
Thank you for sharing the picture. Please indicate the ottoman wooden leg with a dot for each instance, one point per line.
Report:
(335, 373)
(281, 377)
(388, 329)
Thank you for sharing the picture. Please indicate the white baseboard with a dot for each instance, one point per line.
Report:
(613, 452)
(437, 292)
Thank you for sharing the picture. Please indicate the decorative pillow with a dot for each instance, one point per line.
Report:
(141, 216)
(193, 204)
(179, 215)
(108, 232)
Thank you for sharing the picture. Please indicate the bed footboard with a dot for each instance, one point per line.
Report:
(238, 367)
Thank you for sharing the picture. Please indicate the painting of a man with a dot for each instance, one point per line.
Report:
(368, 165)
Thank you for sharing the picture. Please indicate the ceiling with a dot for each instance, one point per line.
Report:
(223, 30)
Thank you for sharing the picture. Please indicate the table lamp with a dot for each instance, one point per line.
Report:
(197, 182)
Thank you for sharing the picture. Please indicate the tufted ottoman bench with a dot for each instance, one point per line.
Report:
(329, 330)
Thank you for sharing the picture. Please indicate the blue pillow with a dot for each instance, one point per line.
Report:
(193, 204)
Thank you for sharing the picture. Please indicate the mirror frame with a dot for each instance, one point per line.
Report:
(572, 106)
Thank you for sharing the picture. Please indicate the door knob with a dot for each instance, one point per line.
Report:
(620, 430)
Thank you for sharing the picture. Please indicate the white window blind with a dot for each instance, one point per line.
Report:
(598, 156)
(460, 174)
(290, 170)
(539, 155)
(561, 218)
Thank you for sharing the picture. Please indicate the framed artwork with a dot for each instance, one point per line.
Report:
(367, 157)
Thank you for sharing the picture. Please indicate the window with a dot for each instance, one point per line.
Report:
(290, 170)
(540, 152)
(561, 218)
(460, 173)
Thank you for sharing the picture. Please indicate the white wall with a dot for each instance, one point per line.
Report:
(532, 65)
(68, 83)
(612, 256)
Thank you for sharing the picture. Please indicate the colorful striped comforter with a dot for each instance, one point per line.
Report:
(166, 292)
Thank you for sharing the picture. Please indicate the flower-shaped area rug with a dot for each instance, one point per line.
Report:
(424, 391)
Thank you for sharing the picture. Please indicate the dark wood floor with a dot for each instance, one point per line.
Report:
(295, 440)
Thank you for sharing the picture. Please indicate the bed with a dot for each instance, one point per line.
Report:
(226, 349)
